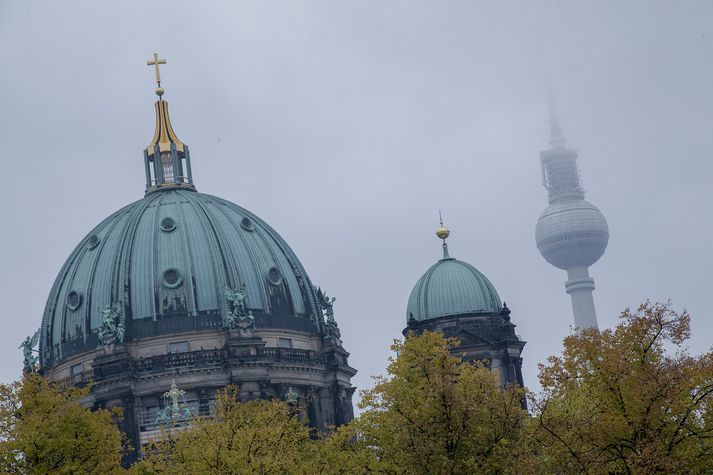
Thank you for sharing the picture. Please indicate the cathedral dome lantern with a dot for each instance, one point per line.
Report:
(167, 160)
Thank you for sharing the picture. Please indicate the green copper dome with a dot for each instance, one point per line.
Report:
(166, 262)
(452, 287)
(176, 261)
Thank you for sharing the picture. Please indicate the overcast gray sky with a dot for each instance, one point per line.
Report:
(347, 125)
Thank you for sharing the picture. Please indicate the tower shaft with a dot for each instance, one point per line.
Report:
(580, 286)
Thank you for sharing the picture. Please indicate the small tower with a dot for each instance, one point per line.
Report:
(457, 300)
(571, 233)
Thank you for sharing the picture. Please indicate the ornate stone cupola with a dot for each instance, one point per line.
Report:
(167, 160)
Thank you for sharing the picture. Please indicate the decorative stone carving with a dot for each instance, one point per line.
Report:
(174, 413)
(411, 321)
(28, 352)
(112, 329)
(505, 312)
(291, 396)
(331, 329)
(239, 318)
(245, 324)
(326, 303)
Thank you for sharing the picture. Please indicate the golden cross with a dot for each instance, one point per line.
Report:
(155, 63)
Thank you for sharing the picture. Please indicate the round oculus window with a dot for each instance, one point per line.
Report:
(168, 224)
(93, 241)
(247, 224)
(274, 276)
(74, 300)
(172, 278)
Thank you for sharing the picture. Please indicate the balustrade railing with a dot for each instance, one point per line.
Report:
(290, 354)
(219, 356)
(174, 360)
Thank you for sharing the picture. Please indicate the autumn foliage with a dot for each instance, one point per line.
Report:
(435, 414)
(44, 429)
(626, 400)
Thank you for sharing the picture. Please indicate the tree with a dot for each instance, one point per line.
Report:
(255, 437)
(344, 450)
(252, 437)
(628, 400)
(45, 429)
(437, 414)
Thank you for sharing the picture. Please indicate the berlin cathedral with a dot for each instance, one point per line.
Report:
(180, 293)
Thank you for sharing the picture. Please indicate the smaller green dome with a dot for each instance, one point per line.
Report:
(452, 287)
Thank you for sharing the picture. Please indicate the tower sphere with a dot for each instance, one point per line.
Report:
(572, 233)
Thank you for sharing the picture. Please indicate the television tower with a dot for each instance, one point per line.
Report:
(571, 233)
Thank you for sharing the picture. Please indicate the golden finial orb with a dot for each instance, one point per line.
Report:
(443, 232)
(159, 91)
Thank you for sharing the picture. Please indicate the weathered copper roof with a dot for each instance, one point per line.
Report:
(168, 259)
(452, 287)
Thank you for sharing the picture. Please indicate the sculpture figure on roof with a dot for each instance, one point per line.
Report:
(326, 303)
(236, 298)
(112, 329)
(28, 352)
(239, 318)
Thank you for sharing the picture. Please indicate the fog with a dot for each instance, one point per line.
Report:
(348, 125)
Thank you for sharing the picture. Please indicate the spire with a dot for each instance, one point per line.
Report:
(166, 159)
(559, 164)
(443, 232)
(556, 136)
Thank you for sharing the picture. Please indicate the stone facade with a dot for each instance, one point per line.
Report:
(487, 337)
(266, 365)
